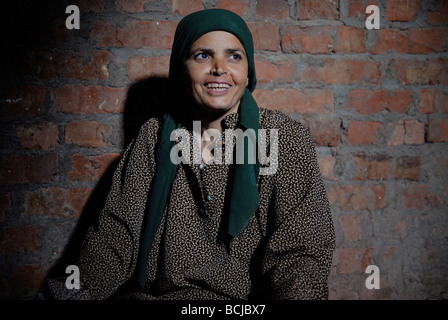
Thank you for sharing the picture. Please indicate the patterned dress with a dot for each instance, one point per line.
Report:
(284, 253)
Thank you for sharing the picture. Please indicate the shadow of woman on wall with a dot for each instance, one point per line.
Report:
(145, 99)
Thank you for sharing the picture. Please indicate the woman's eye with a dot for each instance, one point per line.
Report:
(201, 56)
(235, 56)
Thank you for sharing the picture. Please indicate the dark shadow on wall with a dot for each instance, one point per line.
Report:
(146, 99)
(31, 27)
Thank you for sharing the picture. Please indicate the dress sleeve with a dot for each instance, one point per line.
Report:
(301, 243)
(109, 251)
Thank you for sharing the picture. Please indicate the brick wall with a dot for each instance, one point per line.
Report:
(376, 103)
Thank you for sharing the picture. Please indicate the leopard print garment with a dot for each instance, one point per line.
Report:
(284, 253)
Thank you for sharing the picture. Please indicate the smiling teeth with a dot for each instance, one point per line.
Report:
(217, 86)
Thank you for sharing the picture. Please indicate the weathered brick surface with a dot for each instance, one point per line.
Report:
(39, 136)
(86, 133)
(90, 168)
(88, 99)
(56, 202)
(375, 102)
(141, 67)
(402, 10)
(272, 9)
(315, 9)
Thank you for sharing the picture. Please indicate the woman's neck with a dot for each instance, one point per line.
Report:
(213, 120)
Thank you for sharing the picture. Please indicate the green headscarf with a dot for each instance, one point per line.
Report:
(245, 197)
(195, 25)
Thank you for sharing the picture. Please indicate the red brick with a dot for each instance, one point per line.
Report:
(433, 101)
(406, 167)
(105, 35)
(318, 9)
(430, 71)
(292, 100)
(428, 40)
(265, 35)
(43, 136)
(90, 168)
(390, 39)
(351, 227)
(275, 9)
(421, 197)
(363, 132)
(135, 34)
(71, 65)
(24, 101)
(89, 134)
(278, 71)
(372, 167)
(412, 41)
(28, 169)
(382, 167)
(357, 197)
(182, 7)
(343, 71)
(350, 40)
(306, 40)
(131, 5)
(240, 7)
(75, 98)
(408, 132)
(402, 10)
(56, 202)
(353, 260)
(326, 165)
(371, 102)
(440, 15)
(141, 67)
(325, 131)
(20, 239)
(354, 8)
(358, 8)
(437, 130)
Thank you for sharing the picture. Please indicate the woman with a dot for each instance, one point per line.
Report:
(209, 229)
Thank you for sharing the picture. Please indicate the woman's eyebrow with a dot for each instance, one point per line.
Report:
(211, 51)
(204, 50)
(234, 50)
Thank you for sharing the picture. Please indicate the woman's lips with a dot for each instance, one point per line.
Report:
(217, 88)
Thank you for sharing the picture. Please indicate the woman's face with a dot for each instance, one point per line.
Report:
(217, 72)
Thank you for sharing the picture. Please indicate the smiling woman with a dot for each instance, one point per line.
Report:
(217, 73)
(206, 230)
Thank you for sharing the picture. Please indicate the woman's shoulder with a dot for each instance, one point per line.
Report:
(147, 134)
(152, 123)
(150, 127)
(275, 119)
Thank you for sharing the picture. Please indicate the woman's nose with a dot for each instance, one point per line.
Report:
(218, 67)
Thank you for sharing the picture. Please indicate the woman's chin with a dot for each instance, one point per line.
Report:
(216, 109)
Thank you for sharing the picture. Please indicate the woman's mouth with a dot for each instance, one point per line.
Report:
(217, 88)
